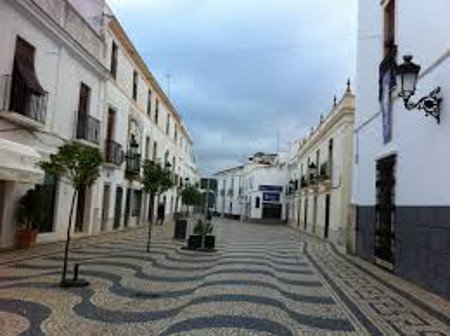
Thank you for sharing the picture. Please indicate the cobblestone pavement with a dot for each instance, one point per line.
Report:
(262, 280)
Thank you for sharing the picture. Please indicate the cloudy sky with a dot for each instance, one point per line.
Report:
(246, 75)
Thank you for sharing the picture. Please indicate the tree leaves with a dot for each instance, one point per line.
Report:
(156, 179)
(78, 163)
(191, 196)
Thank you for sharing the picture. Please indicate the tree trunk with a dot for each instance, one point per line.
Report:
(203, 239)
(69, 228)
(149, 238)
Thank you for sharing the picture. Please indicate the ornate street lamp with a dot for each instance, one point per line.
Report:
(133, 146)
(408, 73)
(312, 171)
(312, 168)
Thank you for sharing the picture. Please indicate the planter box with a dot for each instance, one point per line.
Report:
(210, 242)
(194, 242)
(180, 229)
(26, 238)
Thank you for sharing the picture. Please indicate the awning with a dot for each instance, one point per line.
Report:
(18, 163)
(24, 64)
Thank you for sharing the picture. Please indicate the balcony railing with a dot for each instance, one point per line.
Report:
(16, 96)
(133, 164)
(114, 153)
(88, 128)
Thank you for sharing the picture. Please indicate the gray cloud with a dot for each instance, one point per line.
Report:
(244, 71)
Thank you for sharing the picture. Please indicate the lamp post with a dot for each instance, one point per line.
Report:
(408, 73)
(312, 170)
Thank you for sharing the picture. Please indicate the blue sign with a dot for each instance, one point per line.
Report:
(271, 197)
(270, 188)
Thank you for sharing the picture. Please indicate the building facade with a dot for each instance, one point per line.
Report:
(229, 197)
(319, 190)
(69, 73)
(254, 191)
(401, 156)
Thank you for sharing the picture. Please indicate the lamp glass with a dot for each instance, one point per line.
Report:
(408, 82)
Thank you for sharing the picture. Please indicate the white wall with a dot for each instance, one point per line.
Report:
(420, 144)
(60, 70)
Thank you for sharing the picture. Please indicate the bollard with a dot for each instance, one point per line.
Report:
(75, 272)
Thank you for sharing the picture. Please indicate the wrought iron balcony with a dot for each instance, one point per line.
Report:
(133, 164)
(88, 128)
(113, 152)
(17, 97)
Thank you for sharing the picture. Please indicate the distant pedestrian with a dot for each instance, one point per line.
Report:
(160, 212)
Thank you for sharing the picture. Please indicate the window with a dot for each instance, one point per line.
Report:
(175, 135)
(389, 28)
(168, 124)
(110, 124)
(114, 51)
(257, 202)
(149, 103)
(155, 151)
(318, 158)
(166, 157)
(147, 148)
(137, 200)
(84, 100)
(330, 156)
(156, 111)
(49, 190)
(27, 95)
(135, 84)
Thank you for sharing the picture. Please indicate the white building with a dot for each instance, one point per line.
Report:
(320, 176)
(139, 111)
(229, 197)
(254, 191)
(52, 91)
(401, 157)
(58, 85)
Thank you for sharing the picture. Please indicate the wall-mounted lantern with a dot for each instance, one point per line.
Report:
(408, 73)
(133, 146)
(312, 168)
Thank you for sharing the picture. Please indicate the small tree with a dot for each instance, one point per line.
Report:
(156, 180)
(203, 228)
(191, 196)
(79, 165)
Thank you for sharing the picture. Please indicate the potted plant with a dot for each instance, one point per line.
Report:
(202, 238)
(30, 215)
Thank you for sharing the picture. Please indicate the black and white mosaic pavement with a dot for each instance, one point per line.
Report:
(263, 280)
